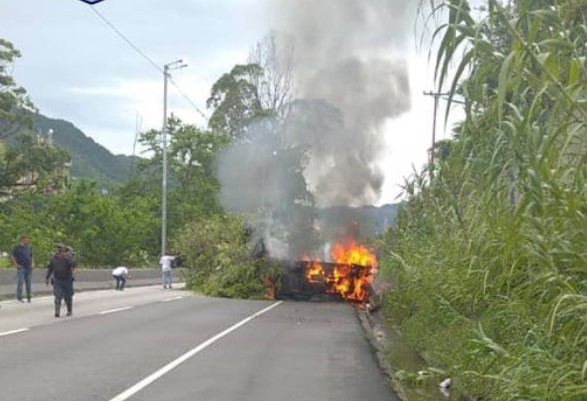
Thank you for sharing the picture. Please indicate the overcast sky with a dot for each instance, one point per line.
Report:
(76, 68)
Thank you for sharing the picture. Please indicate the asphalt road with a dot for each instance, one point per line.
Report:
(152, 344)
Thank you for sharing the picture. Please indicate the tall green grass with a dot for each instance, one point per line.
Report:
(491, 248)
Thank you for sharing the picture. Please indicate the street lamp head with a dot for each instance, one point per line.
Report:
(176, 65)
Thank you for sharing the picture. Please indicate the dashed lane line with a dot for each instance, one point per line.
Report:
(7, 333)
(107, 312)
(172, 299)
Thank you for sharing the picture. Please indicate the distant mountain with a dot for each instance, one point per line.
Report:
(370, 219)
(90, 159)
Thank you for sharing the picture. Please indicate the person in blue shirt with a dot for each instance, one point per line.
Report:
(22, 258)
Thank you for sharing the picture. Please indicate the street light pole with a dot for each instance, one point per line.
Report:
(166, 68)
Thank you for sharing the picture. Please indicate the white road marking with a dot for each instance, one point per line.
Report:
(106, 312)
(7, 333)
(172, 299)
(125, 395)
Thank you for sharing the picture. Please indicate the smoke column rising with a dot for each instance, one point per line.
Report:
(348, 54)
(350, 77)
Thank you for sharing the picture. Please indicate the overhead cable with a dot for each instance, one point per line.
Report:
(147, 59)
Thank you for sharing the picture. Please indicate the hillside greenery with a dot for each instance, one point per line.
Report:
(489, 252)
(90, 160)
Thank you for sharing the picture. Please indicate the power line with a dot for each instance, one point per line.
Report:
(187, 98)
(147, 59)
(127, 40)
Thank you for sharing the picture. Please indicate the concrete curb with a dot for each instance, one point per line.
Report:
(49, 294)
(48, 291)
(379, 352)
(86, 280)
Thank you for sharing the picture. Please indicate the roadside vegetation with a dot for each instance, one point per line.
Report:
(122, 225)
(490, 250)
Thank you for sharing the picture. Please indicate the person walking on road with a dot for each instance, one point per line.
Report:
(22, 258)
(60, 272)
(120, 274)
(165, 262)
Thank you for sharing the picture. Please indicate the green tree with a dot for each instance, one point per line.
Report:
(255, 105)
(14, 103)
(235, 100)
(193, 189)
(105, 230)
(29, 164)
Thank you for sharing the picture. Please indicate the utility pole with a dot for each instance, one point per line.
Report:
(437, 96)
(166, 68)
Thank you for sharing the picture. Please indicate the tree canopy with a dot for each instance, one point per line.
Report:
(14, 102)
(235, 100)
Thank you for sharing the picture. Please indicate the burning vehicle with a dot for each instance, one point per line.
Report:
(348, 276)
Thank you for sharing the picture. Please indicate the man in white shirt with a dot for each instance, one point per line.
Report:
(165, 263)
(120, 274)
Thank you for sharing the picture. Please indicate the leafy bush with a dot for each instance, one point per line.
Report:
(215, 251)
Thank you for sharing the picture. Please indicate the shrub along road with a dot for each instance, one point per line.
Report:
(150, 344)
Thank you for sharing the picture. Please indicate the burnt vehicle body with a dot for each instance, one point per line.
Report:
(327, 281)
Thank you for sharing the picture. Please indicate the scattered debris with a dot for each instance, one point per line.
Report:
(445, 383)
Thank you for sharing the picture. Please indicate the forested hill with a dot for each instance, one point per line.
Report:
(90, 159)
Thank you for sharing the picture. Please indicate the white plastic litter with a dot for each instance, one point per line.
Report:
(445, 383)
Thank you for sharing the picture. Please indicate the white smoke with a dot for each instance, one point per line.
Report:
(348, 53)
(350, 77)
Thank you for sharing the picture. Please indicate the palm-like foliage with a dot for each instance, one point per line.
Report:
(493, 249)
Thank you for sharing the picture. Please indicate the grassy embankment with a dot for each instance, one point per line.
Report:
(491, 253)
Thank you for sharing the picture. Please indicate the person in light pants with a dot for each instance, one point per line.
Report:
(165, 262)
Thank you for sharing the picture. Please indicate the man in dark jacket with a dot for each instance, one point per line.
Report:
(60, 273)
(22, 258)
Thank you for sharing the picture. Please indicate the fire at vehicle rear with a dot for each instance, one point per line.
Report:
(348, 276)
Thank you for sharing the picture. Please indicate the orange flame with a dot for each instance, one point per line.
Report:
(355, 266)
(315, 272)
(352, 253)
